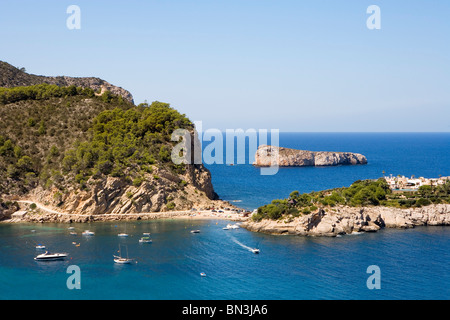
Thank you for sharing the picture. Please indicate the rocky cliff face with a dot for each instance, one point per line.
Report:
(6, 209)
(271, 156)
(348, 220)
(11, 76)
(160, 191)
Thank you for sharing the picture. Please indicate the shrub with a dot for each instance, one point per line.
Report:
(170, 205)
(306, 211)
(138, 181)
(423, 202)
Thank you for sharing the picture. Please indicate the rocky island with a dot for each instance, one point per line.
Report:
(284, 157)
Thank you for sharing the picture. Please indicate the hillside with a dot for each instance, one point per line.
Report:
(77, 151)
(11, 76)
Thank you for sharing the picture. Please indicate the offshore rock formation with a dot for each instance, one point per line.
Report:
(11, 76)
(283, 157)
(347, 220)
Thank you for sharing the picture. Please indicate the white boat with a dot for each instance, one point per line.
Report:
(195, 231)
(145, 240)
(226, 228)
(121, 260)
(255, 250)
(123, 234)
(88, 233)
(146, 234)
(203, 274)
(70, 228)
(50, 256)
(40, 246)
(73, 233)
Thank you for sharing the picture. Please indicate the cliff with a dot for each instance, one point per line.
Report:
(160, 191)
(347, 220)
(11, 76)
(271, 156)
(75, 151)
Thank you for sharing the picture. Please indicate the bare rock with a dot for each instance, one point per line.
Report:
(347, 220)
(271, 156)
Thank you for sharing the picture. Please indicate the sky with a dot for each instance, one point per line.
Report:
(292, 65)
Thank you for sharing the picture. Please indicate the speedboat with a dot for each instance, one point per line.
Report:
(88, 233)
(203, 274)
(255, 250)
(145, 240)
(195, 231)
(146, 233)
(226, 228)
(40, 246)
(123, 235)
(50, 256)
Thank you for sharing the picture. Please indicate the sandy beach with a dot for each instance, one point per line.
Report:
(44, 213)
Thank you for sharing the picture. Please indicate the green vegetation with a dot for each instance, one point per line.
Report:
(42, 92)
(171, 206)
(62, 136)
(126, 142)
(8, 206)
(360, 193)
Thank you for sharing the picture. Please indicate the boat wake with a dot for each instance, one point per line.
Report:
(241, 244)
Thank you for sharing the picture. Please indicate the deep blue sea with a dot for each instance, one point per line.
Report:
(419, 154)
(414, 263)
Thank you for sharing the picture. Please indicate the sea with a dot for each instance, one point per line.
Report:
(391, 264)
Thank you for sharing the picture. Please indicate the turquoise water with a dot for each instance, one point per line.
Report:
(413, 263)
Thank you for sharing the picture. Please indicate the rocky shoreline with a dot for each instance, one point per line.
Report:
(46, 215)
(347, 220)
(329, 222)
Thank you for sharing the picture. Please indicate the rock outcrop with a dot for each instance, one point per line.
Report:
(11, 76)
(347, 220)
(283, 157)
(160, 191)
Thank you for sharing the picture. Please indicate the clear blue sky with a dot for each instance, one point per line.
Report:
(289, 65)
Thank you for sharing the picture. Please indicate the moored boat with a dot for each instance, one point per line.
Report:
(145, 240)
(47, 256)
(121, 260)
